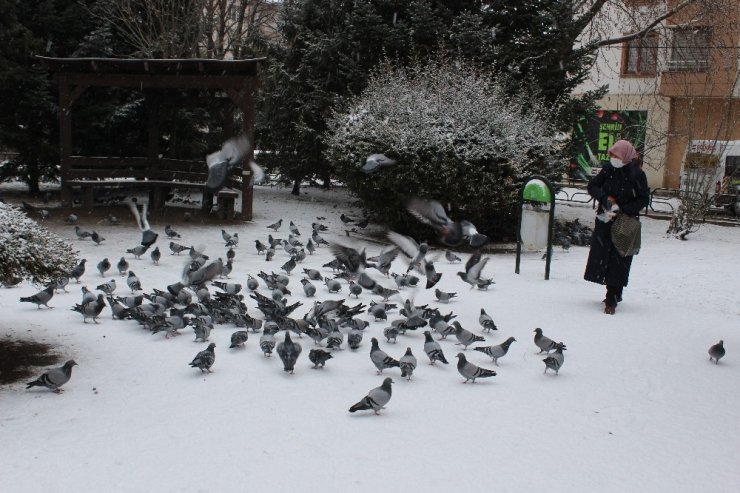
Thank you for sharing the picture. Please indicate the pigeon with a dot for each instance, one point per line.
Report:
(252, 283)
(41, 298)
(380, 359)
(227, 287)
(350, 258)
(310, 247)
(82, 234)
(354, 338)
(275, 226)
(156, 255)
(473, 268)
(148, 237)
(78, 270)
(433, 349)
(260, 246)
(313, 274)
(138, 251)
(289, 352)
(555, 360)
(308, 288)
(222, 162)
(715, 352)
(176, 248)
(319, 357)
(205, 359)
(289, 265)
(544, 343)
(108, 287)
(496, 352)
(318, 240)
(355, 289)
(133, 282)
(61, 284)
(267, 343)
(122, 266)
(390, 333)
(239, 338)
(71, 219)
(294, 229)
(333, 285)
(376, 399)
(269, 254)
(91, 309)
(471, 371)
(486, 321)
(376, 161)
(444, 296)
(226, 236)
(94, 236)
(104, 266)
(385, 259)
(407, 364)
(54, 379)
(171, 233)
(87, 295)
(451, 233)
(118, 310)
(451, 257)
(233, 241)
(465, 337)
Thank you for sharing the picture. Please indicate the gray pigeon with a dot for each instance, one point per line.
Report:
(717, 351)
(486, 321)
(354, 338)
(471, 371)
(252, 283)
(444, 296)
(239, 338)
(205, 359)
(376, 399)
(176, 249)
(267, 343)
(104, 266)
(108, 287)
(433, 349)
(81, 234)
(91, 309)
(171, 233)
(308, 288)
(333, 285)
(275, 226)
(473, 268)
(380, 359)
(42, 297)
(407, 364)
(156, 255)
(310, 247)
(294, 229)
(137, 251)
(133, 282)
(451, 233)
(355, 289)
(78, 271)
(94, 236)
(54, 379)
(122, 266)
(289, 265)
(544, 343)
(289, 352)
(319, 357)
(451, 257)
(498, 351)
(555, 360)
(376, 161)
(465, 337)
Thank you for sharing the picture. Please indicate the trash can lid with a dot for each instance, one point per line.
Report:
(537, 191)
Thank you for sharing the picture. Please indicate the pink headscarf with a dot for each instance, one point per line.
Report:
(624, 150)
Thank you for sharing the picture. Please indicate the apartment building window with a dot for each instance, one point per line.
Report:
(640, 56)
(690, 48)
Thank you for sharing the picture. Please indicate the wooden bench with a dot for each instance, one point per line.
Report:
(158, 190)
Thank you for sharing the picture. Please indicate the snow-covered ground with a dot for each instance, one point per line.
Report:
(637, 406)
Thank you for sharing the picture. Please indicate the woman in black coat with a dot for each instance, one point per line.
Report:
(621, 186)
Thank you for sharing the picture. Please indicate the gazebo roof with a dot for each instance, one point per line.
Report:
(145, 66)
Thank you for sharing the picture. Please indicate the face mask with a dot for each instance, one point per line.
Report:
(617, 163)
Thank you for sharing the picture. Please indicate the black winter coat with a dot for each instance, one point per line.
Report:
(628, 185)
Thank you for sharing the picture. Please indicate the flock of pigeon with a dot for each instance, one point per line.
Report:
(204, 296)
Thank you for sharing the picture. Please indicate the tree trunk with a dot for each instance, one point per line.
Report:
(32, 179)
(296, 187)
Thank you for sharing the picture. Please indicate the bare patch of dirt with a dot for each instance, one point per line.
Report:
(19, 359)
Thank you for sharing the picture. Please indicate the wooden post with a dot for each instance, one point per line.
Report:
(65, 138)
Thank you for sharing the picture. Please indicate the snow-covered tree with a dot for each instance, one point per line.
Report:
(456, 135)
(30, 251)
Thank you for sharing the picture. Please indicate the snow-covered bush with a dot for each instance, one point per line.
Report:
(30, 251)
(457, 138)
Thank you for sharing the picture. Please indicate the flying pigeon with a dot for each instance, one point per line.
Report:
(717, 351)
(471, 371)
(555, 360)
(433, 349)
(41, 298)
(498, 351)
(451, 233)
(473, 268)
(376, 399)
(222, 162)
(380, 359)
(407, 364)
(289, 352)
(319, 357)
(205, 359)
(376, 161)
(54, 379)
(350, 258)
(543, 342)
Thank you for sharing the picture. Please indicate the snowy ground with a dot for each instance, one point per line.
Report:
(637, 405)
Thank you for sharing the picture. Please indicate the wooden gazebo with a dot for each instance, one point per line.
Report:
(238, 79)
